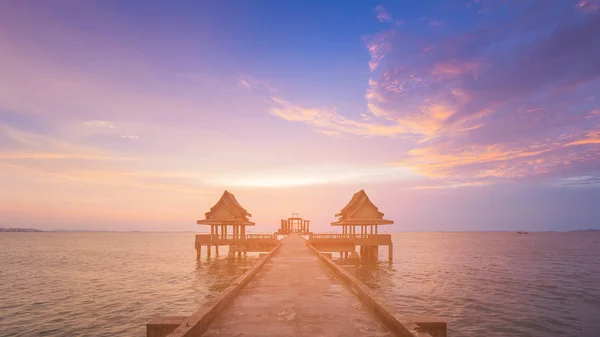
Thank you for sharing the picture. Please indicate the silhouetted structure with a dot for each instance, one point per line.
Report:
(295, 224)
(227, 214)
(359, 220)
(291, 278)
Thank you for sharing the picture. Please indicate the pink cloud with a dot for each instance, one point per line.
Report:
(382, 14)
(378, 46)
(588, 6)
(473, 117)
(455, 68)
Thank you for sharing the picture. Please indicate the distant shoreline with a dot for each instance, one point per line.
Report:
(33, 230)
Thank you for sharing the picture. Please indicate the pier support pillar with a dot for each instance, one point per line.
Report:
(391, 253)
(216, 250)
(208, 251)
(354, 256)
(198, 252)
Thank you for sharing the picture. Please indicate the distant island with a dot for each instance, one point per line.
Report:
(586, 230)
(11, 229)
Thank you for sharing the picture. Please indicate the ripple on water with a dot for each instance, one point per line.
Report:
(484, 284)
(496, 284)
(102, 284)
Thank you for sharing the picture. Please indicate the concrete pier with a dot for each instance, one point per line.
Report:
(295, 290)
(296, 295)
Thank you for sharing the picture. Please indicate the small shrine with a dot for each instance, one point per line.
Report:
(295, 224)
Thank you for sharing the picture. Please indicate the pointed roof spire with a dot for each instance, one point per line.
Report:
(227, 210)
(361, 210)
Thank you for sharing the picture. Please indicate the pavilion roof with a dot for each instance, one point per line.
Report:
(227, 211)
(360, 211)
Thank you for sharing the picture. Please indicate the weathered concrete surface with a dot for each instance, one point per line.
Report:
(434, 325)
(162, 326)
(295, 295)
(400, 325)
(196, 324)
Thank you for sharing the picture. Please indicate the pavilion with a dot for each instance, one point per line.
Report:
(226, 214)
(361, 213)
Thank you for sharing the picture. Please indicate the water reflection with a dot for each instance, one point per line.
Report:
(218, 272)
(375, 274)
(494, 284)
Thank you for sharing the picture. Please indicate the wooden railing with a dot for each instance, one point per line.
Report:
(261, 236)
(372, 238)
(201, 238)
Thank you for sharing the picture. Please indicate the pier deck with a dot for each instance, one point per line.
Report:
(296, 295)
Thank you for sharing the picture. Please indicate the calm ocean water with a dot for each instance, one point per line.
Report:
(485, 284)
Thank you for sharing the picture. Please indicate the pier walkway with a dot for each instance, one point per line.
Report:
(296, 295)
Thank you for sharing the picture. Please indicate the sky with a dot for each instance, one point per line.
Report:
(453, 115)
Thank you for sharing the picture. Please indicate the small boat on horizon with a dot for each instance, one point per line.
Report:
(522, 232)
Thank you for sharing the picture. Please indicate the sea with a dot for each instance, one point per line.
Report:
(483, 283)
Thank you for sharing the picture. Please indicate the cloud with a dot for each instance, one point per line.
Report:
(451, 185)
(128, 136)
(245, 83)
(580, 181)
(502, 101)
(588, 6)
(103, 124)
(330, 122)
(315, 175)
(256, 84)
(382, 14)
(378, 46)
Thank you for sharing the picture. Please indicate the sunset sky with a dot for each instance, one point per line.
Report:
(450, 114)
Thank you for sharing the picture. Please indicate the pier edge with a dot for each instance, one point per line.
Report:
(401, 325)
(198, 322)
